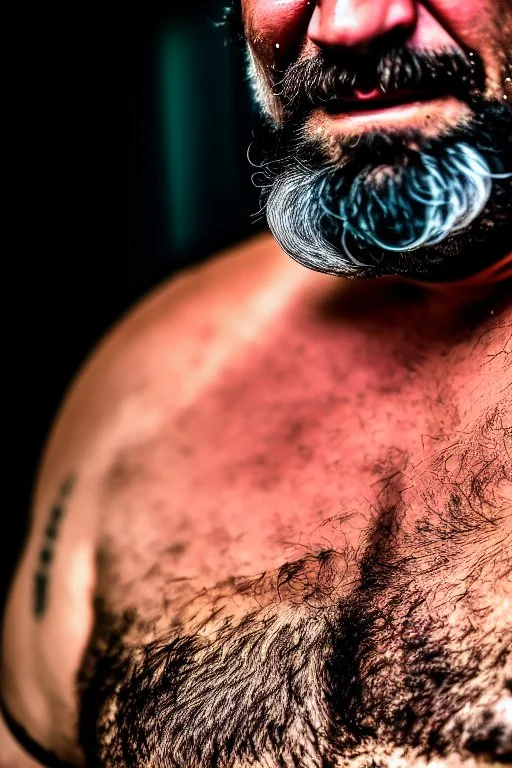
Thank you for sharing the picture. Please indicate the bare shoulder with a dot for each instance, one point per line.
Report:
(154, 349)
(159, 356)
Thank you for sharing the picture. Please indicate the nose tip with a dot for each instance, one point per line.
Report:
(357, 24)
(491, 737)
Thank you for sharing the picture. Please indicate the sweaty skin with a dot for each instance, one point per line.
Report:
(258, 444)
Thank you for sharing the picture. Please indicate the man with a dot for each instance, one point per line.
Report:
(273, 523)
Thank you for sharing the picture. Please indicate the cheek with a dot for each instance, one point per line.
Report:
(472, 22)
(275, 27)
(484, 26)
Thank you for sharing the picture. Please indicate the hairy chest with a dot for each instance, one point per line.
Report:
(341, 493)
(303, 441)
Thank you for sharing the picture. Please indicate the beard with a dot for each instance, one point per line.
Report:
(392, 202)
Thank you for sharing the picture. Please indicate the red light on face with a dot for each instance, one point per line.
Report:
(275, 27)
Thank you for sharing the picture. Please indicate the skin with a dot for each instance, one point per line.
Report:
(252, 412)
(278, 32)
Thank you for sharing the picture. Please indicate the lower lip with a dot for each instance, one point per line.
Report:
(395, 112)
(425, 115)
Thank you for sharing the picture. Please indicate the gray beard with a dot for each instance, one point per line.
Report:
(440, 213)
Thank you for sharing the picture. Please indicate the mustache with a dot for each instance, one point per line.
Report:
(326, 80)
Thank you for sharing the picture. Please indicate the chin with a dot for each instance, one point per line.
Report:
(394, 197)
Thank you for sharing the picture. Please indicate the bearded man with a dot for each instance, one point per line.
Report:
(273, 524)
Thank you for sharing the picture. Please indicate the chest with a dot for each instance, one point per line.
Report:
(304, 440)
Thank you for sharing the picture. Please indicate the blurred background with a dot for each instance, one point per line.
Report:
(128, 135)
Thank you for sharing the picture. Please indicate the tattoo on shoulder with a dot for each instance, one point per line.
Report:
(49, 543)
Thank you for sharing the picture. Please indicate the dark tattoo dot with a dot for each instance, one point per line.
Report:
(51, 531)
(56, 513)
(40, 592)
(47, 552)
(45, 556)
(67, 486)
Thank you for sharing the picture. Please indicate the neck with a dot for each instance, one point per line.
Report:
(499, 272)
(496, 273)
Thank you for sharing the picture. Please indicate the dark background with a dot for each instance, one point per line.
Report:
(126, 159)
